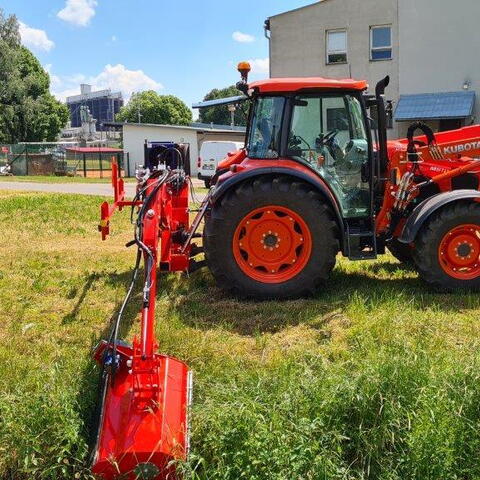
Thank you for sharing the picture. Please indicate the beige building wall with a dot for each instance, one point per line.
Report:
(298, 41)
(440, 43)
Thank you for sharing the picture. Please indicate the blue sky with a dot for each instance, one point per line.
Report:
(184, 48)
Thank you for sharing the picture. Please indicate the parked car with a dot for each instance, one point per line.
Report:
(210, 154)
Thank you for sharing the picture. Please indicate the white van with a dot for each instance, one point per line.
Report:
(210, 154)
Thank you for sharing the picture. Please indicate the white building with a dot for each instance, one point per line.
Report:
(135, 135)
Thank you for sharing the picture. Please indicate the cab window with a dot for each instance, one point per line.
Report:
(328, 132)
(264, 137)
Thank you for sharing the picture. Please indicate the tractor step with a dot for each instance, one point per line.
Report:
(361, 243)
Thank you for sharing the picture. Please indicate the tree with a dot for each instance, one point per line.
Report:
(28, 112)
(221, 115)
(150, 107)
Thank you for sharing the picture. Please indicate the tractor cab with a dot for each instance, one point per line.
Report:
(324, 129)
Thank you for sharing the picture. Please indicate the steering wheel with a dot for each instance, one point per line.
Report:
(329, 136)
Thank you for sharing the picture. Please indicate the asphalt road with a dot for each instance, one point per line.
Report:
(102, 189)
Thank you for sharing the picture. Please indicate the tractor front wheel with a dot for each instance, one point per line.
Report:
(271, 238)
(447, 249)
(401, 251)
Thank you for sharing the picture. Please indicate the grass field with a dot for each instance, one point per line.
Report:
(377, 377)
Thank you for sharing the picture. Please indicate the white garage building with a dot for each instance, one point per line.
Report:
(135, 134)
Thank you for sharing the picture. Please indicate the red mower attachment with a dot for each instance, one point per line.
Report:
(144, 396)
(143, 425)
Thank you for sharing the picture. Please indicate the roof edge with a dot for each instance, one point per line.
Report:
(297, 9)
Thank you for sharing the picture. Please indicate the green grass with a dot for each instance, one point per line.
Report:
(377, 377)
(55, 179)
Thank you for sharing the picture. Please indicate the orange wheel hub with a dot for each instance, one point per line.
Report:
(272, 244)
(459, 252)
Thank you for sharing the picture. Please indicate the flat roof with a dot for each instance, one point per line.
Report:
(301, 83)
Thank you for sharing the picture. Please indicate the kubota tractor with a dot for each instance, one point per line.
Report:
(311, 182)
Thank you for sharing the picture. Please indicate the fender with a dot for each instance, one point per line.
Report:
(424, 210)
(300, 173)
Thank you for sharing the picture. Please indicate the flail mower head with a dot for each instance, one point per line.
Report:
(142, 429)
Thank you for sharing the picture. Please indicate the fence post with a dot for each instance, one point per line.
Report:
(84, 166)
(100, 160)
(26, 159)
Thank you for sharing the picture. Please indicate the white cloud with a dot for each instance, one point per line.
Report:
(260, 66)
(35, 38)
(117, 77)
(127, 81)
(243, 37)
(113, 38)
(78, 12)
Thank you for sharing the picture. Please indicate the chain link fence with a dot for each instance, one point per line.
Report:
(61, 159)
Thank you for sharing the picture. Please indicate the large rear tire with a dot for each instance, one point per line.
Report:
(271, 237)
(447, 249)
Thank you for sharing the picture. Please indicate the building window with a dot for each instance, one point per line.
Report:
(381, 42)
(337, 46)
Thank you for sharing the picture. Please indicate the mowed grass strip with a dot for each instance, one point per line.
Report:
(377, 377)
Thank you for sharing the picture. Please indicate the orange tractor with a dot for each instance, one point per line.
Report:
(311, 182)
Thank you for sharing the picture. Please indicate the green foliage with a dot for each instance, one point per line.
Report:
(155, 108)
(28, 112)
(220, 115)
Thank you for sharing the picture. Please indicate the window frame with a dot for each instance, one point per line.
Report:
(383, 47)
(336, 52)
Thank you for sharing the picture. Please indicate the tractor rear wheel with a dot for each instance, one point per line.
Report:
(271, 237)
(447, 249)
(401, 251)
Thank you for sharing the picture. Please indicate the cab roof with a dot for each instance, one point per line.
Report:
(274, 85)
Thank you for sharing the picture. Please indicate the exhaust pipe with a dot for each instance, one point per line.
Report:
(382, 123)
